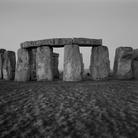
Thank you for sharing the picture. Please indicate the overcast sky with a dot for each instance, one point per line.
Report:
(115, 21)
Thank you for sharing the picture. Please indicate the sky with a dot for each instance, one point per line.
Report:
(114, 21)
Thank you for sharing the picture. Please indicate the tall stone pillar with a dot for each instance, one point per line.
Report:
(122, 63)
(55, 65)
(100, 64)
(1, 62)
(135, 64)
(72, 63)
(82, 64)
(44, 68)
(32, 55)
(9, 65)
(23, 66)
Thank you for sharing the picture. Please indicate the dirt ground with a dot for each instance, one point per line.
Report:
(87, 109)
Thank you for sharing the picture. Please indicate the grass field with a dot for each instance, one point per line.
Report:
(87, 109)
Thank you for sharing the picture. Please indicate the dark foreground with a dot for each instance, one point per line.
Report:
(105, 109)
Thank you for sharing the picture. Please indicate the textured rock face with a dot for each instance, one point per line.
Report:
(32, 55)
(1, 62)
(60, 42)
(57, 42)
(55, 65)
(9, 65)
(44, 69)
(100, 64)
(72, 63)
(87, 42)
(135, 64)
(82, 64)
(135, 69)
(23, 66)
(122, 63)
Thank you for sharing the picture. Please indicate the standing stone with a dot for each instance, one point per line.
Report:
(55, 65)
(82, 64)
(32, 55)
(135, 64)
(72, 63)
(100, 64)
(44, 69)
(122, 63)
(9, 65)
(23, 66)
(135, 69)
(1, 62)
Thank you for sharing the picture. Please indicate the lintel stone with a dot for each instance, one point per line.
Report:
(60, 42)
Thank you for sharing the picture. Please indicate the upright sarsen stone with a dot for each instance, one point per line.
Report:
(100, 64)
(55, 65)
(72, 63)
(9, 65)
(32, 55)
(122, 63)
(23, 66)
(135, 64)
(44, 69)
(1, 62)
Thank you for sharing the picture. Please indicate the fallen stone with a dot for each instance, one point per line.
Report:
(72, 63)
(87, 42)
(55, 42)
(122, 63)
(23, 66)
(44, 67)
(32, 55)
(1, 62)
(100, 64)
(9, 65)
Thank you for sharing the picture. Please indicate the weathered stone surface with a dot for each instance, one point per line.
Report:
(135, 69)
(72, 63)
(122, 63)
(44, 67)
(60, 42)
(23, 66)
(2, 50)
(87, 42)
(32, 55)
(55, 65)
(9, 65)
(135, 54)
(135, 64)
(55, 42)
(100, 64)
(1, 62)
(82, 64)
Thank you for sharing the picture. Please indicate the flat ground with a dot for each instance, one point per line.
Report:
(88, 109)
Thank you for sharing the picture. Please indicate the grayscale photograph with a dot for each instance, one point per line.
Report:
(68, 68)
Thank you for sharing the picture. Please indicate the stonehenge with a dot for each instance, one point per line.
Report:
(23, 66)
(44, 69)
(100, 64)
(9, 64)
(122, 63)
(1, 62)
(36, 61)
(72, 63)
(55, 65)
